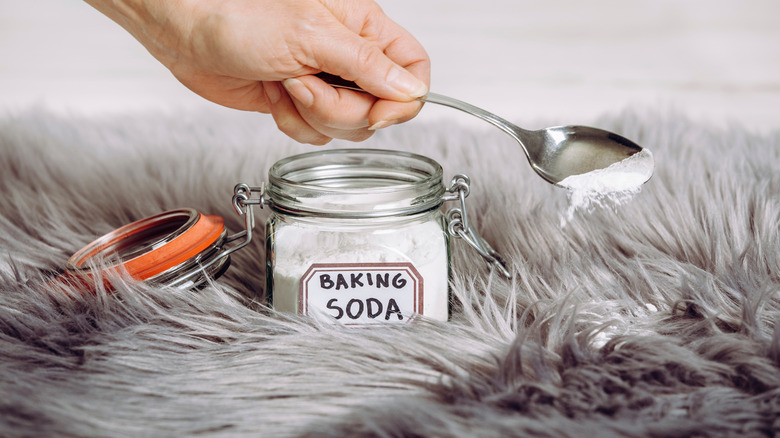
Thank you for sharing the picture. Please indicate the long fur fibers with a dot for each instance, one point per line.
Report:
(657, 318)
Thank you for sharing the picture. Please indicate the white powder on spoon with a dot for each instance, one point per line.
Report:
(611, 186)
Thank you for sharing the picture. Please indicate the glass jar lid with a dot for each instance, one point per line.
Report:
(170, 248)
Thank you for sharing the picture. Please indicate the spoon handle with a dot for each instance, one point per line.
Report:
(501, 123)
(510, 128)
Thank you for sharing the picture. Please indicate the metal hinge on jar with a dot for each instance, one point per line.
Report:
(459, 225)
(244, 197)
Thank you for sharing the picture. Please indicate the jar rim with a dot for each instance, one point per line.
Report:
(355, 183)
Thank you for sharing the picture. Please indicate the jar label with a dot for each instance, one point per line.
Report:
(362, 293)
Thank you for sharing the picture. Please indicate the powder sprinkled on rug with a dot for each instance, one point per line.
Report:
(608, 187)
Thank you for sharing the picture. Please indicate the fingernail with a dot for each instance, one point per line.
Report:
(382, 124)
(299, 91)
(406, 83)
(272, 92)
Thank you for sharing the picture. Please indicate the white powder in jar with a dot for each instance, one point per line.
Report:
(422, 243)
(611, 186)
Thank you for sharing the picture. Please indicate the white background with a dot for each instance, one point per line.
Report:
(561, 61)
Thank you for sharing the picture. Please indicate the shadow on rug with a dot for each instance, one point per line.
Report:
(659, 318)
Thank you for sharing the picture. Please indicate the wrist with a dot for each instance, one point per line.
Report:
(158, 25)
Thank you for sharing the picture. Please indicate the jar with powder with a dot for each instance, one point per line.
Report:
(355, 236)
(359, 236)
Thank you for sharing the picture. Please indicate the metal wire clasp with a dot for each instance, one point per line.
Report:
(243, 201)
(242, 197)
(460, 227)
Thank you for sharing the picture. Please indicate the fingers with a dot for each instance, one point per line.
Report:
(336, 113)
(287, 118)
(231, 92)
(367, 65)
(372, 50)
(310, 111)
(387, 113)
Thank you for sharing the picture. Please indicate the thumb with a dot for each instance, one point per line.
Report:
(348, 55)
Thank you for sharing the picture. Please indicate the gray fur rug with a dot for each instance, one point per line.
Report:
(658, 318)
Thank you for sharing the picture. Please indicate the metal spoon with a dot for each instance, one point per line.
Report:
(554, 153)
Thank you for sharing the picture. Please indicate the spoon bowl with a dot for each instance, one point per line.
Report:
(554, 153)
(574, 150)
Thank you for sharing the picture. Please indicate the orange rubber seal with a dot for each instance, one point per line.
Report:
(154, 245)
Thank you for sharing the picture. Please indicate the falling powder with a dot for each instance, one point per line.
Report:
(611, 186)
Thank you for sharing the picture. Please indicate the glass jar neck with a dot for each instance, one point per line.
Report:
(355, 183)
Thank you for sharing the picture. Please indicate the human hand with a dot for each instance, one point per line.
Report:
(260, 55)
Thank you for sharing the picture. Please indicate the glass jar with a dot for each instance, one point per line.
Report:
(358, 235)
